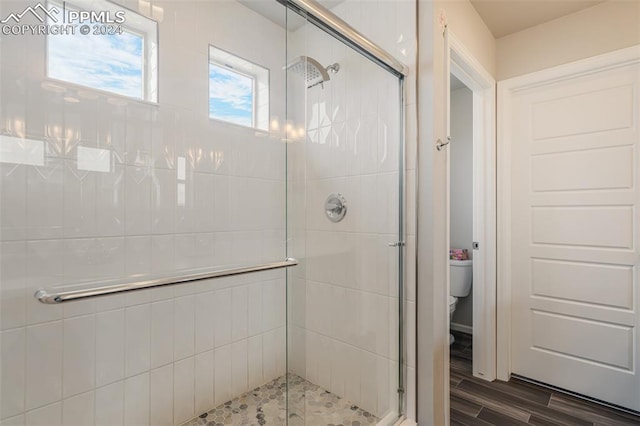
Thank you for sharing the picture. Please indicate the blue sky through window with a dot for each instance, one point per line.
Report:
(230, 96)
(113, 63)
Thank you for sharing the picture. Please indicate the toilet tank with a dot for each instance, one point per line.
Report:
(461, 274)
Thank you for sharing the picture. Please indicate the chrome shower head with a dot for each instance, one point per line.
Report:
(311, 70)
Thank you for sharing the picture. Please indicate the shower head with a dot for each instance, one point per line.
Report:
(311, 70)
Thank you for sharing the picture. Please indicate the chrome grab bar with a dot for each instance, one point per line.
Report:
(52, 298)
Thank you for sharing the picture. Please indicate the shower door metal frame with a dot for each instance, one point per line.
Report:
(327, 21)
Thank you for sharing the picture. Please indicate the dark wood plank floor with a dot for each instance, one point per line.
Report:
(478, 402)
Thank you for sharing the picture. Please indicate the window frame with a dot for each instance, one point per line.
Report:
(242, 66)
(136, 24)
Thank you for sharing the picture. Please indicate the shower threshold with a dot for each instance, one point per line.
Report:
(309, 405)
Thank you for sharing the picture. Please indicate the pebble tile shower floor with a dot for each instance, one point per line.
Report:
(309, 405)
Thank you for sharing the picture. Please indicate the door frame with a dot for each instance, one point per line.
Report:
(469, 71)
(507, 89)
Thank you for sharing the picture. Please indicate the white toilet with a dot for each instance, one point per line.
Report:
(461, 275)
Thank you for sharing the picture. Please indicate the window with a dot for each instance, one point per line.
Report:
(238, 90)
(122, 59)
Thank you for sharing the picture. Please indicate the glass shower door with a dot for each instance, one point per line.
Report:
(344, 172)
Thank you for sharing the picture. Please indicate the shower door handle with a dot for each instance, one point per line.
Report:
(396, 244)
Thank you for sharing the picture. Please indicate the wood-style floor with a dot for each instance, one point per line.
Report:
(478, 402)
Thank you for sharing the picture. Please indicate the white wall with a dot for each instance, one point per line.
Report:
(603, 28)
(462, 187)
(470, 29)
(155, 357)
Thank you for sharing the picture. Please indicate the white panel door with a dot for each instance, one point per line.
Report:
(575, 234)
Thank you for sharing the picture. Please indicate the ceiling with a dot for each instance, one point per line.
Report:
(504, 17)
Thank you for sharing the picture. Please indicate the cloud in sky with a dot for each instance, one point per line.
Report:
(113, 63)
(230, 96)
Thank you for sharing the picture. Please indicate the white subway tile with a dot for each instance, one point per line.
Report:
(110, 346)
(324, 361)
(78, 356)
(367, 220)
(79, 410)
(204, 202)
(44, 364)
(368, 382)
(110, 405)
(138, 219)
(204, 382)
(13, 202)
(385, 385)
(45, 200)
(161, 396)
(110, 205)
(254, 362)
(222, 361)
(346, 313)
(184, 327)
(255, 321)
(387, 201)
(51, 415)
(312, 349)
(183, 390)
(352, 379)
(281, 351)
(185, 215)
(136, 400)
(163, 138)
(138, 297)
(221, 212)
(239, 313)
(222, 325)
(163, 201)
(162, 251)
(45, 270)
(109, 303)
(12, 372)
(138, 134)
(137, 339)
(13, 421)
(161, 333)
(273, 304)
(375, 323)
(204, 321)
(239, 380)
(13, 295)
(338, 368)
(138, 255)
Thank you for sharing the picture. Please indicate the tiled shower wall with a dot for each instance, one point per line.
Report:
(182, 191)
(343, 315)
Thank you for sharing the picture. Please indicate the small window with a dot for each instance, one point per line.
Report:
(118, 58)
(238, 90)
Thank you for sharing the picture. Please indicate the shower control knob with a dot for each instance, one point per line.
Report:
(335, 207)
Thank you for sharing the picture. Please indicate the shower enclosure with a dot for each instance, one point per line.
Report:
(201, 210)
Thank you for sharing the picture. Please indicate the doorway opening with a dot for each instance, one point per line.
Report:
(471, 209)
